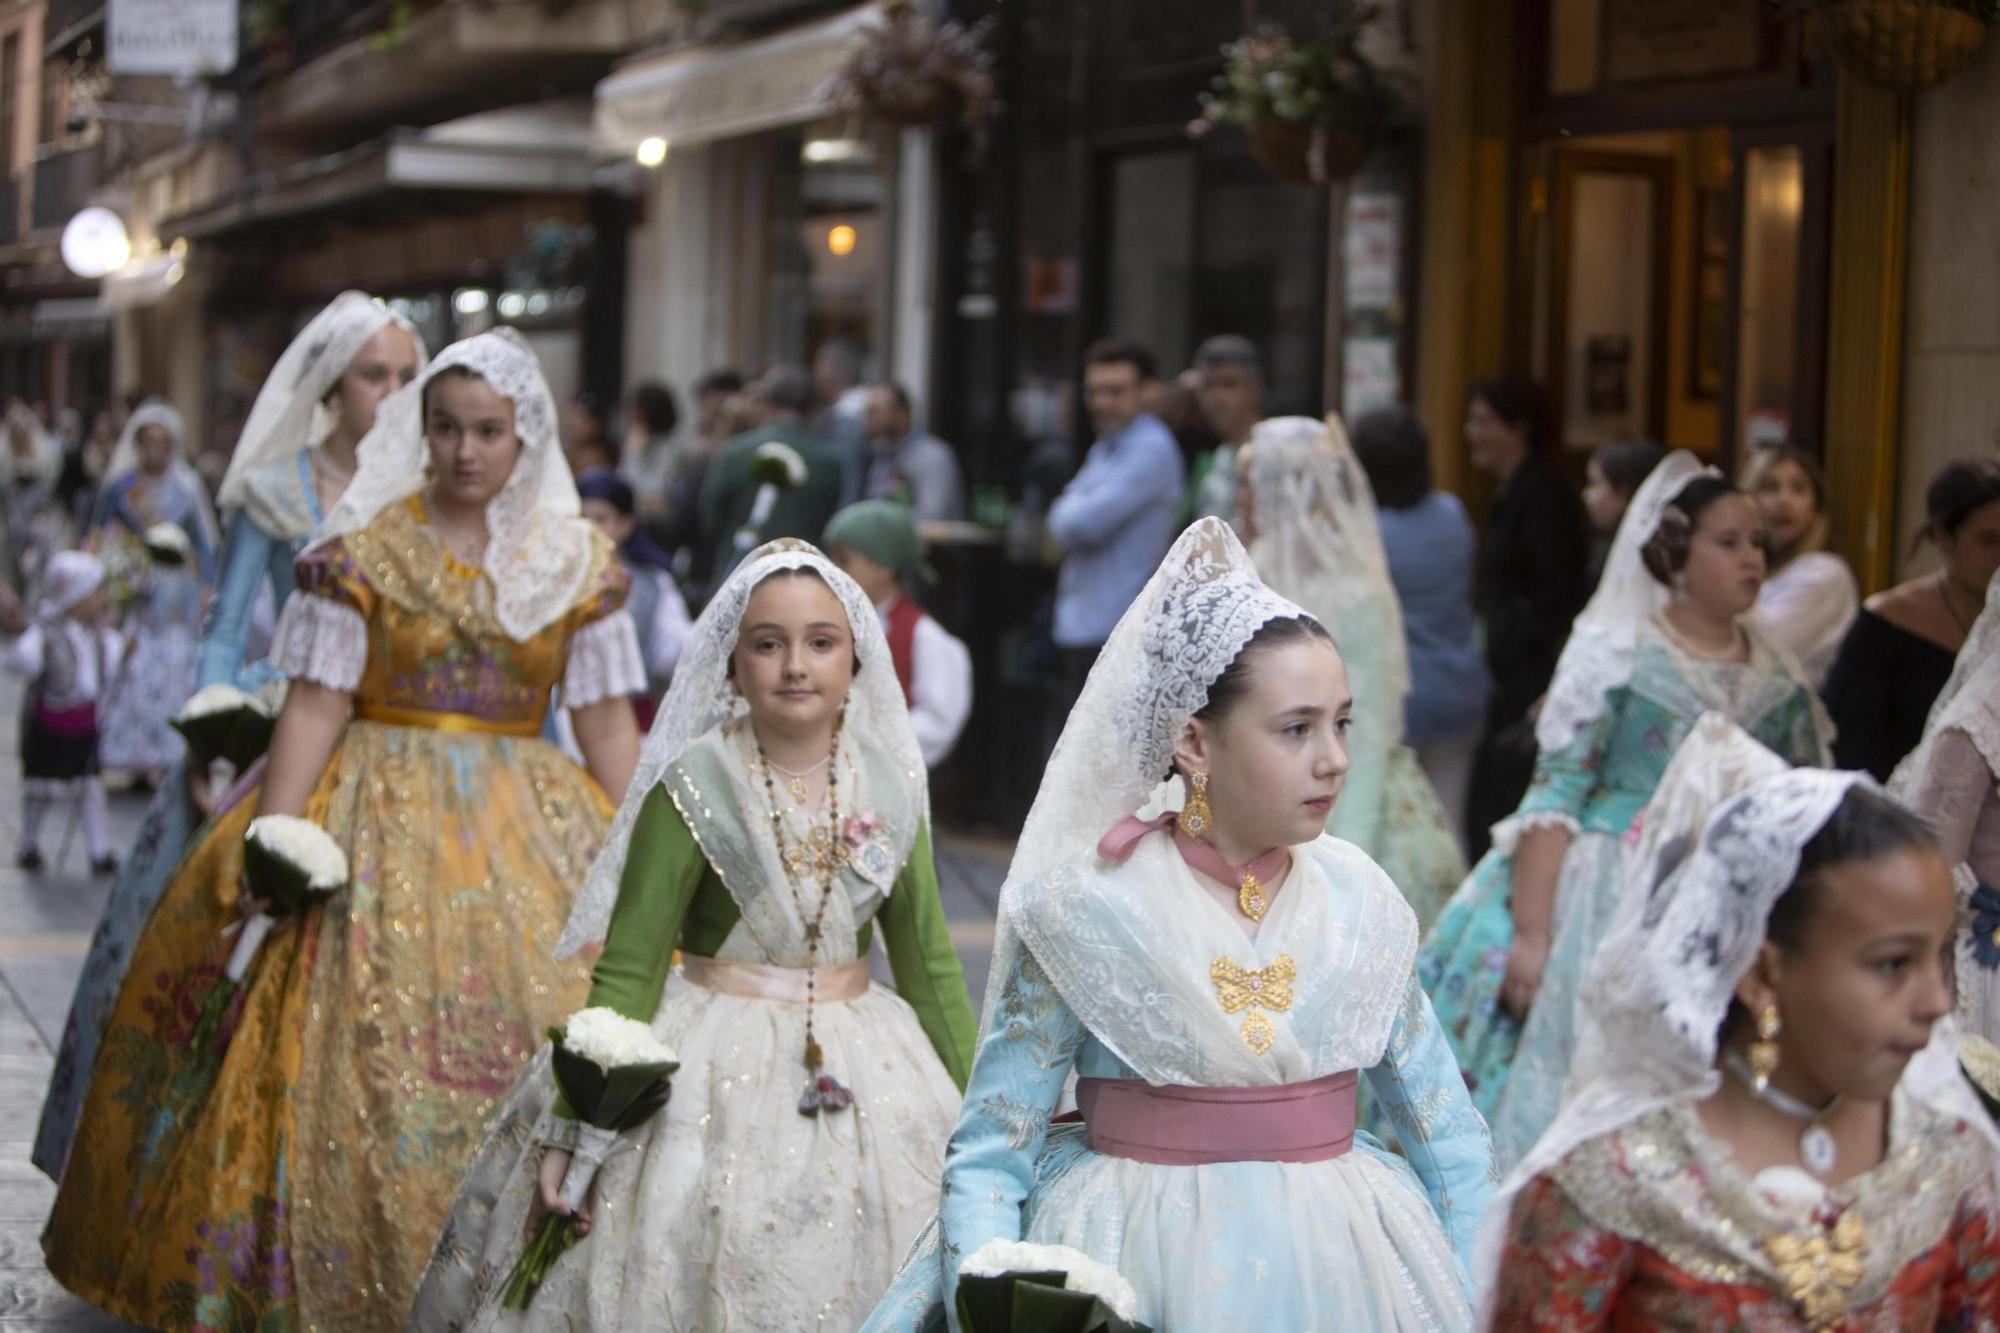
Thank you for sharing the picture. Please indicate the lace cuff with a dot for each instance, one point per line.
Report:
(321, 640)
(1507, 833)
(604, 662)
(555, 1131)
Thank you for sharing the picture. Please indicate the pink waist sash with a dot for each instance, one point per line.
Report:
(1182, 1126)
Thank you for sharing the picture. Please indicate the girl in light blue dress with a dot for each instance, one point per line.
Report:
(1669, 635)
(325, 388)
(1217, 979)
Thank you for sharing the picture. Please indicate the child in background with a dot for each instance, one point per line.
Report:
(875, 543)
(67, 653)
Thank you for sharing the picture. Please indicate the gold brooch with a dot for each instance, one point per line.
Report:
(1820, 1269)
(1240, 988)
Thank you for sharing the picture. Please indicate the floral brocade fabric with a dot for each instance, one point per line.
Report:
(1653, 1229)
(291, 1168)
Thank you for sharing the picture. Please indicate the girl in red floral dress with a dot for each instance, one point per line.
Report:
(1766, 1128)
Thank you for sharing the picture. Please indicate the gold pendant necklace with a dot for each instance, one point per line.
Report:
(1250, 897)
(795, 783)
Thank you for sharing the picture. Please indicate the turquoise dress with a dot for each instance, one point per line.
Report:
(1595, 787)
(263, 538)
(1114, 981)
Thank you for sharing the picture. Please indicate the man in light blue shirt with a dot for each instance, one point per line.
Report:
(1116, 518)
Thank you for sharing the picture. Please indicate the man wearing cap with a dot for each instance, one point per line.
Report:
(876, 542)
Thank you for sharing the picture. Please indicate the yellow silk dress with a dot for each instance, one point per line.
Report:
(294, 1172)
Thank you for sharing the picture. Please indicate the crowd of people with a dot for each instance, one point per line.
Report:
(1413, 929)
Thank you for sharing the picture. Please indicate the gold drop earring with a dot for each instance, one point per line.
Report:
(1764, 1051)
(1196, 816)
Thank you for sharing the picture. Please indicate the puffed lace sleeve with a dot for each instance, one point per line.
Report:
(1442, 1134)
(604, 658)
(322, 635)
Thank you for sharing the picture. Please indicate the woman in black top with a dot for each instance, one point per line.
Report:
(1900, 649)
(1533, 567)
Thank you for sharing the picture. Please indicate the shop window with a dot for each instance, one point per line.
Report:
(1767, 331)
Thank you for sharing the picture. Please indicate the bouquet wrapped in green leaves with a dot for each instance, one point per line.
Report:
(776, 467)
(616, 1075)
(1013, 1287)
(290, 863)
(223, 722)
(168, 544)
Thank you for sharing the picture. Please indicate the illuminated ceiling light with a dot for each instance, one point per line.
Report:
(179, 248)
(538, 304)
(823, 151)
(513, 305)
(840, 240)
(652, 151)
(94, 243)
(175, 272)
(470, 300)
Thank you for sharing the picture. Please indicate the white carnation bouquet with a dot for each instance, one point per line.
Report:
(223, 722)
(290, 863)
(776, 467)
(615, 1074)
(1009, 1286)
(168, 544)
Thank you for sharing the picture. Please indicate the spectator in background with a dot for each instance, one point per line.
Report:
(1810, 596)
(1899, 652)
(586, 434)
(677, 527)
(712, 393)
(653, 457)
(907, 464)
(1532, 570)
(1229, 377)
(657, 608)
(1178, 407)
(1430, 545)
(784, 398)
(836, 377)
(876, 543)
(1117, 517)
(1610, 479)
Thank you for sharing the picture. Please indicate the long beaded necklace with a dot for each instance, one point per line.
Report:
(823, 1092)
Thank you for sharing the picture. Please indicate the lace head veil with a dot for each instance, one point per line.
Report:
(1203, 604)
(1720, 845)
(125, 460)
(1317, 525)
(700, 699)
(287, 416)
(1605, 638)
(538, 546)
(1969, 702)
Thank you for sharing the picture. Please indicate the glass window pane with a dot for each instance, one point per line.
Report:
(1767, 331)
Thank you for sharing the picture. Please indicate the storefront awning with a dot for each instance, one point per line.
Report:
(524, 150)
(719, 92)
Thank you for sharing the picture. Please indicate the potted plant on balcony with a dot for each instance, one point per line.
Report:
(913, 69)
(1903, 44)
(1311, 109)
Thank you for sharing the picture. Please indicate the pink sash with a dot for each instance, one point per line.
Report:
(1185, 1126)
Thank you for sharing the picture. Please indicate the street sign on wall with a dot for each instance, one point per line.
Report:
(181, 38)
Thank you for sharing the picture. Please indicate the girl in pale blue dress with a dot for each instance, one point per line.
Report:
(1520, 933)
(1216, 1012)
(1310, 515)
(325, 387)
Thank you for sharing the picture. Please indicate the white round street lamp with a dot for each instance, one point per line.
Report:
(95, 243)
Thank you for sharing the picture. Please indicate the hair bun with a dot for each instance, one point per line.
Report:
(1665, 553)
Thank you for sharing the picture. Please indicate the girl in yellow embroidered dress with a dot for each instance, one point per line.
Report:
(293, 1171)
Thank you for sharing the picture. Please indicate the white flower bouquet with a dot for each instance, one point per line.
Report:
(291, 863)
(168, 544)
(615, 1075)
(776, 467)
(223, 722)
(1010, 1286)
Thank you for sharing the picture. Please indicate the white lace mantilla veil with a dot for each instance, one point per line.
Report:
(538, 544)
(1720, 845)
(1316, 517)
(1969, 702)
(701, 699)
(1190, 621)
(288, 416)
(125, 460)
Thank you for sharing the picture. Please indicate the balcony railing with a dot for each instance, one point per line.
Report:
(10, 210)
(64, 183)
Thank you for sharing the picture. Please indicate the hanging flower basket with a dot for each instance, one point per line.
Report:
(1905, 44)
(1310, 110)
(1306, 154)
(913, 70)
